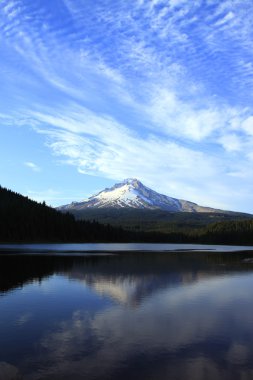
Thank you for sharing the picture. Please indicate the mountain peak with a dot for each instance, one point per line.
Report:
(131, 193)
(131, 181)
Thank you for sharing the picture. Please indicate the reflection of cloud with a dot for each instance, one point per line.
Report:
(8, 372)
(24, 318)
(238, 353)
(188, 323)
(198, 369)
(70, 334)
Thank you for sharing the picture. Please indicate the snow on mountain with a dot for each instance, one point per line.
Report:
(131, 193)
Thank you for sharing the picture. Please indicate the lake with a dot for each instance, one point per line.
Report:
(84, 248)
(133, 315)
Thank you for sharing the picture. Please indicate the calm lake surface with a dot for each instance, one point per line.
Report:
(117, 247)
(153, 315)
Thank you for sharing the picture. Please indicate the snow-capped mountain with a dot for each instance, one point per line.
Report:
(131, 193)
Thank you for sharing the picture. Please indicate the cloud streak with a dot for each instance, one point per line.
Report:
(155, 90)
(32, 166)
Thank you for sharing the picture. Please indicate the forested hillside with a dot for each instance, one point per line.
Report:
(24, 220)
(156, 220)
(234, 232)
(160, 225)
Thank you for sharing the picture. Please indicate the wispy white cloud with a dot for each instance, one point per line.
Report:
(98, 145)
(32, 166)
(231, 142)
(188, 119)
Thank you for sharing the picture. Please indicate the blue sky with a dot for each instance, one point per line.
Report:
(93, 92)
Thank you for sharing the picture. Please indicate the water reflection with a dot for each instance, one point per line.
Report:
(130, 316)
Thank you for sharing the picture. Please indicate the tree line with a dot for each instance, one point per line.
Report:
(24, 220)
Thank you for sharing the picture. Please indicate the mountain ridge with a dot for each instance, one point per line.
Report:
(131, 193)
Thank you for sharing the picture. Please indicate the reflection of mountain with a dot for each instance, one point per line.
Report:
(128, 279)
(132, 290)
(182, 332)
(129, 290)
(188, 317)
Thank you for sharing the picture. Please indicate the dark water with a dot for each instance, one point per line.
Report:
(128, 316)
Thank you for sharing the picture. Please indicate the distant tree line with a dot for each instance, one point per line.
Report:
(24, 220)
(239, 232)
